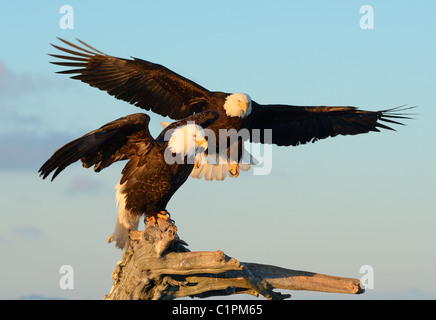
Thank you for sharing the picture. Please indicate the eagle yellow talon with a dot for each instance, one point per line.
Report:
(196, 164)
(164, 215)
(234, 170)
(111, 238)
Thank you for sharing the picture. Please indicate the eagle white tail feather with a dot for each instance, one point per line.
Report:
(126, 221)
(220, 170)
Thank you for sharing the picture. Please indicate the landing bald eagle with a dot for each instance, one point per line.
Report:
(154, 87)
(156, 167)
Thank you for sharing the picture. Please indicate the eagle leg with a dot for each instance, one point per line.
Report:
(234, 170)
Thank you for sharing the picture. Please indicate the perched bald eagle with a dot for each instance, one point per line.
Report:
(156, 168)
(153, 87)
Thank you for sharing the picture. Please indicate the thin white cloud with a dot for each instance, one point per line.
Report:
(14, 85)
(35, 101)
(29, 233)
(27, 150)
(84, 184)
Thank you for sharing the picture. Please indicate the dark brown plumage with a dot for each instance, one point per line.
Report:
(295, 125)
(148, 181)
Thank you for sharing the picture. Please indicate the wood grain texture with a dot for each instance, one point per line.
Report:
(158, 266)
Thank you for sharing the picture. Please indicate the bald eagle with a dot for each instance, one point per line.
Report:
(153, 87)
(156, 168)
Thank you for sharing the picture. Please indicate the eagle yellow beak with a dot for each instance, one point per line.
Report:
(243, 106)
(201, 142)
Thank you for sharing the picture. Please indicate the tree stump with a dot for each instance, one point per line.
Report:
(158, 266)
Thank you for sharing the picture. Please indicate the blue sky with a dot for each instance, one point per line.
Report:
(329, 207)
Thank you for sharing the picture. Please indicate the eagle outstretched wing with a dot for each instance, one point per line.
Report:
(295, 125)
(144, 84)
(116, 140)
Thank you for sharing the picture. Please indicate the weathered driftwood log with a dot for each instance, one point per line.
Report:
(157, 265)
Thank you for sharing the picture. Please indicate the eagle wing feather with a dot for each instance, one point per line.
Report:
(142, 83)
(116, 140)
(295, 125)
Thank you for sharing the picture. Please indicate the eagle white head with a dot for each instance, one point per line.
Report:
(187, 140)
(238, 105)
